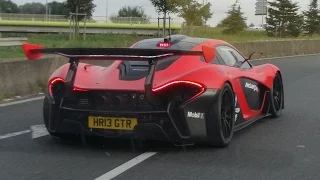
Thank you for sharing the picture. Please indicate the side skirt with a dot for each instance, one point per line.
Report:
(249, 122)
(264, 114)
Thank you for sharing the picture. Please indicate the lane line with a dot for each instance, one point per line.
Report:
(122, 168)
(38, 131)
(21, 101)
(14, 134)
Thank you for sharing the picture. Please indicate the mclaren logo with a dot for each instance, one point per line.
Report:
(196, 115)
(252, 86)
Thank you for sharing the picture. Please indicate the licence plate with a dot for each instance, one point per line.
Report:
(111, 123)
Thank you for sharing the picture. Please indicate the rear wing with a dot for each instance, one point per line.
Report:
(33, 52)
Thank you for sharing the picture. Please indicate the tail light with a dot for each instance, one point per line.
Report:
(56, 87)
(180, 90)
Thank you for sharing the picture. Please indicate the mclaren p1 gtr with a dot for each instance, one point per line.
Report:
(181, 89)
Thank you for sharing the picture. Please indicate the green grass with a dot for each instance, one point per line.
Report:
(62, 40)
(109, 40)
(81, 24)
(244, 36)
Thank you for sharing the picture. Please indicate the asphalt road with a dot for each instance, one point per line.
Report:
(283, 148)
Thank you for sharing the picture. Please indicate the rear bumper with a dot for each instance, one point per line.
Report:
(175, 124)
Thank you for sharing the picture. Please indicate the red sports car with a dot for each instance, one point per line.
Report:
(181, 89)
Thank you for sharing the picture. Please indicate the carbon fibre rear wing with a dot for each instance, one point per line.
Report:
(34, 52)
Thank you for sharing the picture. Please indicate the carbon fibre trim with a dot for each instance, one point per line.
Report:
(195, 112)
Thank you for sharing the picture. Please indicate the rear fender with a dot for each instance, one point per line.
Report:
(61, 72)
(211, 77)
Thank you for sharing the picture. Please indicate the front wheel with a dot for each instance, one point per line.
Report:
(221, 119)
(276, 97)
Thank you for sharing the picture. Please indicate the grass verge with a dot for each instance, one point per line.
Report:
(62, 40)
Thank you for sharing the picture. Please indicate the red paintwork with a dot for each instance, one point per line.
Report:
(185, 69)
(27, 47)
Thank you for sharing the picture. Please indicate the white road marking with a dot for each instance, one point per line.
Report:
(21, 101)
(14, 134)
(122, 168)
(301, 146)
(38, 131)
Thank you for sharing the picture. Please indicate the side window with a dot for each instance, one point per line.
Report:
(245, 65)
(216, 60)
(231, 57)
(227, 55)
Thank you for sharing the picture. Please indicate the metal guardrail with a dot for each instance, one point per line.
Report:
(12, 41)
(95, 19)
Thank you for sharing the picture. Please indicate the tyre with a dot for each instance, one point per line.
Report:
(46, 121)
(276, 97)
(221, 119)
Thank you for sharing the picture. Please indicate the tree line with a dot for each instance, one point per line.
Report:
(283, 19)
(192, 11)
(54, 7)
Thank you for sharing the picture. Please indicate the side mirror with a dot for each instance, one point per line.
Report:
(252, 54)
(209, 53)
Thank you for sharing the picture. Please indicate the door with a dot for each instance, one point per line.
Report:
(247, 84)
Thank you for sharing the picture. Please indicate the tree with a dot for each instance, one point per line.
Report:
(7, 6)
(131, 11)
(283, 19)
(33, 8)
(195, 13)
(251, 25)
(234, 22)
(168, 6)
(80, 6)
(57, 8)
(137, 14)
(311, 18)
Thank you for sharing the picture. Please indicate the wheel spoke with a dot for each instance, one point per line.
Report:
(224, 128)
(228, 126)
(226, 114)
(277, 101)
(277, 93)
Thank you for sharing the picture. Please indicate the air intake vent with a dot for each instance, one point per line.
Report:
(84, 102)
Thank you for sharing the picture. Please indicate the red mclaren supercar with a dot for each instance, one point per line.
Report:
(180, 89)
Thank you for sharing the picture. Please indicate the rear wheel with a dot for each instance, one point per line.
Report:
(276, 97)
(46, 121)
(222, 118)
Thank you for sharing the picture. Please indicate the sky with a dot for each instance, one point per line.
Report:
(219, 8)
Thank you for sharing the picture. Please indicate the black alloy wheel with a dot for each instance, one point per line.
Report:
(276, 97)
(227, 114)
(221, 118)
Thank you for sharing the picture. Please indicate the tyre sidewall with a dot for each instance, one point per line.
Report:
(214, 129)
(273, 111)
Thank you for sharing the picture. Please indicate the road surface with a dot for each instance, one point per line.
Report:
(284, 148)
